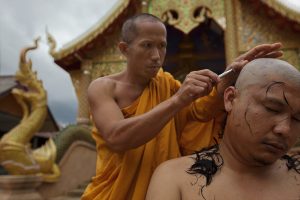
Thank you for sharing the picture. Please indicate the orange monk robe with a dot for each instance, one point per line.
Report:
(122, 176)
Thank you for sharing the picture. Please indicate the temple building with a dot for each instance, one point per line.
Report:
(201, 34)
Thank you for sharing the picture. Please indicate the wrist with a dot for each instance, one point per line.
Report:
(177, 103)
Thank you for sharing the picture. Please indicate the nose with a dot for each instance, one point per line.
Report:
(155, 54)
(283, 127)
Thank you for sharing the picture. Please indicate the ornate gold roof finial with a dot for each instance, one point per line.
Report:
(51, 42)
(25, 73)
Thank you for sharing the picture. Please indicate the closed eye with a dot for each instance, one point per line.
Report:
(296, 118)
(270, 109)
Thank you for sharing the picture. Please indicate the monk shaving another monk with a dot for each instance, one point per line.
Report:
(143, 116)
(251, 161)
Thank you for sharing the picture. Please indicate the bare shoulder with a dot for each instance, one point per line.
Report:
(102, 87)
(177, 165)
(286, 174)
(178, 170)
(101, 84)
(167, 179)
(171, 171)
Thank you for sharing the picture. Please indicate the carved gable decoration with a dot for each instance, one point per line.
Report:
(185, 15)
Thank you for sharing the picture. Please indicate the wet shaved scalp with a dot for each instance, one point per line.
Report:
(129, 28)
(263, 70)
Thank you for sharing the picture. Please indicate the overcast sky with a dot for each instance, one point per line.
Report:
(22, 21)
(292, 4)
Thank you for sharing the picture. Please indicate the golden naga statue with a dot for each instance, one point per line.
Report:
(16, 155)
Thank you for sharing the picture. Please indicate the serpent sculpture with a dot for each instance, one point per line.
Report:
(16, 155)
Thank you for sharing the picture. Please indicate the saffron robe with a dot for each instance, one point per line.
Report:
(126, 175)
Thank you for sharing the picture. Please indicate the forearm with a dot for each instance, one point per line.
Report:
(135, 131)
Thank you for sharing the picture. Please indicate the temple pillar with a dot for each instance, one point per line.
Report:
(145, 6)
(231, 46)
(83, 116)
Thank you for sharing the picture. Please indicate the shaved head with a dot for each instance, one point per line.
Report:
(129, 28)
(264, 70)
(263, 109)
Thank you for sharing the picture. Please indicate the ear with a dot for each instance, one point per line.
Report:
(230, 94)
(123, 47)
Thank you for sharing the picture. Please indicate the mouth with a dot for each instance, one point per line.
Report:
(154, 67)
(275, 146)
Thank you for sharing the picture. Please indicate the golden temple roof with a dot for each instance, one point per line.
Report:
(283, 9)
(71, 52)
(93, 32)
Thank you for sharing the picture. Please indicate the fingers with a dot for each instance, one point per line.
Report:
(199, 83)
(204, 75)
(196, 84)
(258, 50)
(262, 51)
(276, 45)
(201, 88)
(274, 54)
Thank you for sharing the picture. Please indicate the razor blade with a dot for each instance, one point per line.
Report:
(225, 73)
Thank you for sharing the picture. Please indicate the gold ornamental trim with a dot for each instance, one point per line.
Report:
(93, 32)
(185, 15)
(283, 10)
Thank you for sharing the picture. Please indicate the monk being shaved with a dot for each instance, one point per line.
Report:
(143, 116)
(251, 161)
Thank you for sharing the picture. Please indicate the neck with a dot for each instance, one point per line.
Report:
(134, 79)
(239, 164)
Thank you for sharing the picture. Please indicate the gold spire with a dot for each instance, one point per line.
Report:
(51, 43)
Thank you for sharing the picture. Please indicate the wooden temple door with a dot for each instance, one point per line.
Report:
(202, 48)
